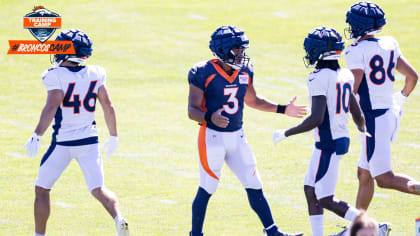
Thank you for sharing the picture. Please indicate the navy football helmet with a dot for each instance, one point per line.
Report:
(364, 18)
(224, 40)
(322, 43)
(81, 43)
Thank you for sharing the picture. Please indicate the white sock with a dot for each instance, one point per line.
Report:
(117, 219)
(351, 214)
(39, 234)
(317, 224)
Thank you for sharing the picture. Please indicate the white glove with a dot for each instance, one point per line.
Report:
(32, 145)
(398, 99)
(362, 135)
(397, 109)
(110, 146)
(279, 135)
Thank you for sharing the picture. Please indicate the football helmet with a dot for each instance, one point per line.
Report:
(322, 43)
(364, 18)
(224, 40)
(81, 43)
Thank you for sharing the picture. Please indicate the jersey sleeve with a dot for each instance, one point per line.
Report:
(251, 73)
(101, 76)
(317, 84)
(195, 78)
(50, 80)
(354, 58)
(398, 52)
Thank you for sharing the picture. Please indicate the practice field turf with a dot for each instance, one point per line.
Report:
(147, 48)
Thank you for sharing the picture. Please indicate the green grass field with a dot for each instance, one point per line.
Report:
(147, 48)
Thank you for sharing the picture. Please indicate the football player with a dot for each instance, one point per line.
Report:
(331, 99)
(373, 62)
(218, 90)
(72, 92)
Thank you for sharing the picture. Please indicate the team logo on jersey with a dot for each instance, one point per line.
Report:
(243, 79)
(42, 23)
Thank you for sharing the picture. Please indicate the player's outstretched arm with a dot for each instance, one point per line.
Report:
(319, 104)
(54, 99)
(404, 67)
(109, 112)
(357, 114)
(263, 104)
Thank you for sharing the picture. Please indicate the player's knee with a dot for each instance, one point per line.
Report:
(364, 176)
(326, 202)
(40, 191)
(385, 180)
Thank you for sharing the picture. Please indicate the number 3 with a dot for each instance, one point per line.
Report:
(231, 92)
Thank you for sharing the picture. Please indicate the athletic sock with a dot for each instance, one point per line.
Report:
(317, 224)
(271, 230)
(117, 219)
(351, 214)
(199, 208)
(260, 205)
(39, 234)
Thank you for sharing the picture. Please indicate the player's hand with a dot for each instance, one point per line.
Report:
(363, 134)
(110, 146)
(219, 120)
(32, 145)
(398, 99)
(295, 110)
(279, 135)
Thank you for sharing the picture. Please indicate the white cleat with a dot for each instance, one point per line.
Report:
(122, 228)
(384, 229)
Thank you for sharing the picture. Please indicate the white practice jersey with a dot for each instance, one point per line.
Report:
(336, 86)
(377, 57)
(75, 118)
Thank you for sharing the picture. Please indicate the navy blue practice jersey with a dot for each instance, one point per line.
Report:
(222, 91)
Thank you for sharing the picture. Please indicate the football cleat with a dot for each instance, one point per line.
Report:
(279, 233)
(384, 229)
(364, 18)
(341, 233)
(224, 40)
(322, 43)
(122, 228)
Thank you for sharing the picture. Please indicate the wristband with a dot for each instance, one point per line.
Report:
(281, 108)
(402, 93)
(207, 117)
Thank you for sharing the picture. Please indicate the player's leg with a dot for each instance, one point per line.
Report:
(400, 182)
(211, 153)
(316, 212)
(325, 184)
(242, 162)
(366, 189)
(90, 163)
(380, 163)
(364, 172)
(53, 163)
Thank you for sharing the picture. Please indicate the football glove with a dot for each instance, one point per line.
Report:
(279, 135)
(397, 108)
(32, 145)
(110, 146)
